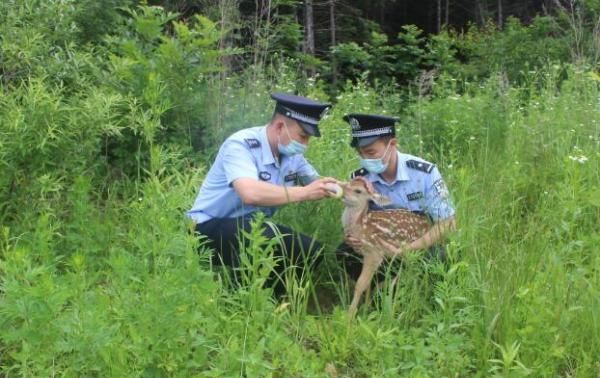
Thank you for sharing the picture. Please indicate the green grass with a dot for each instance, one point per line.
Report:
(109, 283)
(100, 274)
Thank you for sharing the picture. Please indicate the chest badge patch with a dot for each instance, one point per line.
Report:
(291, 177)
(414, 196)
(264, 176)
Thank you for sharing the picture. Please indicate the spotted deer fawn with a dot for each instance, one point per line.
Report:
(378, 231)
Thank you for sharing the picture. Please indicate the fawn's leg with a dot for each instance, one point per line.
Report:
(370, 264)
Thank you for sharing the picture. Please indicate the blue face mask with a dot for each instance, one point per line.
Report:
(375, 166)
(292, 148)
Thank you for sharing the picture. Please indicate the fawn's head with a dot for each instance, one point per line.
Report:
(356, 195)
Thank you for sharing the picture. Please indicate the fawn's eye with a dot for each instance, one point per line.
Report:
(357, 191)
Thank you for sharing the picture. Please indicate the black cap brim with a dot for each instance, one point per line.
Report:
(363, 142)
(311, 130)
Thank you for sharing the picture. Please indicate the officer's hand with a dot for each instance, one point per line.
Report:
(318, 189)
(353, 242)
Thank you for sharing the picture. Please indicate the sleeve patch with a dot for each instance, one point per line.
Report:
(252, 142)
(264, 175)
(358, 173)
(440, 188)
(420, 166)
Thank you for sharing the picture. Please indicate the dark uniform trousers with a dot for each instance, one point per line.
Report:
(225, 236)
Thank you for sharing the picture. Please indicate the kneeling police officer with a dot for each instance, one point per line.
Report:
(410, 182)
(257, 170)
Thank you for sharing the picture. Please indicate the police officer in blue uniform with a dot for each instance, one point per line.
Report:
(409, 181)
(257, 170)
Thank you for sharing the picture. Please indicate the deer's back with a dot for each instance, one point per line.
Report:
(392, 226)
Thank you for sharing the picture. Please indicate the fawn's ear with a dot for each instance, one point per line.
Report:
(380, 200)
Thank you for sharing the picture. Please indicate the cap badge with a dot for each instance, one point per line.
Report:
(354, 124)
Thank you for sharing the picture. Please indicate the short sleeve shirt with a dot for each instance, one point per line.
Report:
(246, 153)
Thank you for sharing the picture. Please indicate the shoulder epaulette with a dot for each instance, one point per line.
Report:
(420, 165)
(358, 173)
(252, 142)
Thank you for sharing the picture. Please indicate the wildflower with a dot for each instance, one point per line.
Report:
(581, 159)
(472, 137)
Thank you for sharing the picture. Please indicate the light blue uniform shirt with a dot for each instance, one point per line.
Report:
(246, 153)
(418, 187)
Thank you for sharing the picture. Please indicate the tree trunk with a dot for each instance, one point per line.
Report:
(447, 18)
(439, 16)
(227, 20)
(262, 33)
(500, 19)
(332, 43)
(309, 30)
(256, 29)
(481, 12)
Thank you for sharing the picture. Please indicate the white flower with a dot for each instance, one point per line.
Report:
(580, 159)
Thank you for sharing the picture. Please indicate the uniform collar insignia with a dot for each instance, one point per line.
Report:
(252, 142)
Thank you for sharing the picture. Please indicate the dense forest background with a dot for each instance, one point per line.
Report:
(112, 111)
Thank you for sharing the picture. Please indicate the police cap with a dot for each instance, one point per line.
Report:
(305, 111)
(367, 128)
